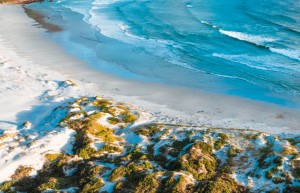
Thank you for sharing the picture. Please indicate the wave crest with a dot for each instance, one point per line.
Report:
(255, 39)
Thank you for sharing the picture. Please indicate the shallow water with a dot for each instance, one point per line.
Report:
(245, 48)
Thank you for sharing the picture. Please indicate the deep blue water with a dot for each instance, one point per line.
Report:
(249, 48)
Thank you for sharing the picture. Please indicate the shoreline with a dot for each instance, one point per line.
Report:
(67, 128)
(188, 107)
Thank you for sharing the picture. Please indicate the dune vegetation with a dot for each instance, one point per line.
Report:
(116, 150)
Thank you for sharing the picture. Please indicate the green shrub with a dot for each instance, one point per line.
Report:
(278, 160)
(135, 154)
(5, 186)
(50, 157)
(277, 180)
(117, 174)
(96, 116)
(147, 184)
(105, 133)
(296, 172)
(149, 130)
(22, 172)
(87, 152)
(111, 148)
(52, 183)
(223, 184)
(102, 103)
(265, 152)
(269, 174)
(114, 120)
(202, 167)
(93, 186)
(221, 141)
(129, 118)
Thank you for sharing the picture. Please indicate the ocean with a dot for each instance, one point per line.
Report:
(246, 48)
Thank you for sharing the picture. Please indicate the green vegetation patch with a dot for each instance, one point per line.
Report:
(264, 153)
(114, 120)
(199, 161)
(105, 133)
(149, 130)
(129, 118)
(223, 184)
(174, 184)
(22, 172)
(117, 174)
(102, 103)
(221, 141)
(50, 157)
(6, 186)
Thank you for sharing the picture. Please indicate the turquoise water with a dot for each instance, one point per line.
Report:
(239, 47)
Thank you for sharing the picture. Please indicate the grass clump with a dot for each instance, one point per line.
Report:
(102, 103)
(223, 184)
(114, 120)
(199, 161)
(122, 107)
(50, 157)
(6, 186)
(148, 184)
(89, 178)
(278, 160)
(105, 133)
(96, 116)
(111, 148)
(93, 186)
(269, 174)
(278, 180)
(134, 167)
(134, 155)
(296, 167)
(148, 130)
(52, 183)
(82, 146)
(129, 118)
(289, 150)
(87, 152)
(117, 174)
(265, 152)
(138, 182)
(221, 141)
(232, 152)
(22, 172)
(174, 184)
(252, 136)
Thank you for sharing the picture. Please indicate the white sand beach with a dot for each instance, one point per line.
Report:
(39, 83)
(31, 64)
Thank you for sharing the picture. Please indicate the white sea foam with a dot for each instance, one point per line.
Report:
(242, 59)
(255, 39)
(294, 54)
(125, 29)
(205, 22)
(209, 24)
(120, 31)
(259, 62)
